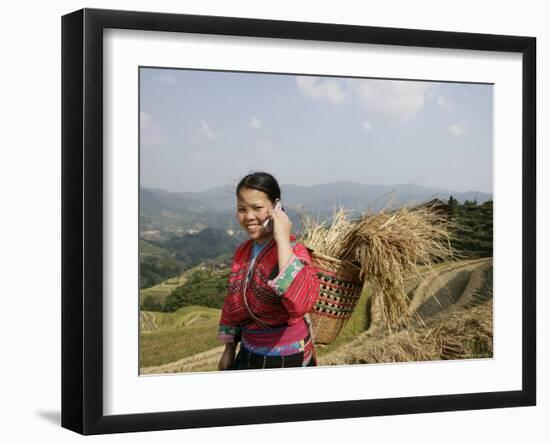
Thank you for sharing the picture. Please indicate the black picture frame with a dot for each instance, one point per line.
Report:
(82, 218)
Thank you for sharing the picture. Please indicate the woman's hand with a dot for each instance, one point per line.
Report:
(282, 226)
(227, 358)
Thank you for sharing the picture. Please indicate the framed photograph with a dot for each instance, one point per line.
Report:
(192, 146)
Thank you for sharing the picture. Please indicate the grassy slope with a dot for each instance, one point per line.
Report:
(187, 331)
(205, 287)
(163, 289)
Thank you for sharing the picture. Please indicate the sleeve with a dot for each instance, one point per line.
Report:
(297, 284)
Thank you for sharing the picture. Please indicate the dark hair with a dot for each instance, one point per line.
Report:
(261, 181)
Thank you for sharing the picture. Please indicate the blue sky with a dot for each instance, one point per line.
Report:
(201, 129)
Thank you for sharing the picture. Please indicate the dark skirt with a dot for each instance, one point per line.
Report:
(249, 360)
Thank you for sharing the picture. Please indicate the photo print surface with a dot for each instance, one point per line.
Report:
(387, 185)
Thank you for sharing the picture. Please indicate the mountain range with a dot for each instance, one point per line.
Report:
(316, 199)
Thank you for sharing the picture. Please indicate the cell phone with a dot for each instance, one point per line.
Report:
(268, 223)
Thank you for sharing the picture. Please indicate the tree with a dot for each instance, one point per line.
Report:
(151, 304)
(452, 206)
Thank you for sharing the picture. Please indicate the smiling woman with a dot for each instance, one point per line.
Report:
(272, 286)
(256, 194)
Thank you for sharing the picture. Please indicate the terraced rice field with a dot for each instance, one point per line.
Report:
(148, 322)
(453, 313)
(168, 337)
(445, 287)
(164, 289)
(452, 308)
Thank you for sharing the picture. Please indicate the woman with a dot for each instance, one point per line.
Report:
(272, 286)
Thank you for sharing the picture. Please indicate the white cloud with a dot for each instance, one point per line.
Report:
(206, 134)
(394, 98)
(445, 103)
(321, 89)
(168, 79)
(400, 99)
(255, 123)
(457, 129)
(150, 131)
(367, 125)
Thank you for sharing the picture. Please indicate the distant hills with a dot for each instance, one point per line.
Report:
(179, 230)
(165, 214)
(316, 199)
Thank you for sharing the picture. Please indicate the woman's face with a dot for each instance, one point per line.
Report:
(252, 211)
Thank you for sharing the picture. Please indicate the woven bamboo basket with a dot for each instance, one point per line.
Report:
(340, 289)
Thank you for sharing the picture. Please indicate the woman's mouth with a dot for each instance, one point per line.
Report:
(253, 227)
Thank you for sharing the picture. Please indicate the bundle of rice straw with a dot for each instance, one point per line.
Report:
(388, 247)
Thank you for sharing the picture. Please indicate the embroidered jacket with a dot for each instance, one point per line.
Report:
(278, 298)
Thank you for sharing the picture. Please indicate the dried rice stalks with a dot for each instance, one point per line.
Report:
(333, 240)
(459, 334)
(388, 247)
(392, 246)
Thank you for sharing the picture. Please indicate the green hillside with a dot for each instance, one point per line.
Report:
(164, 259)
(156, 264)
(172, 336)
(474, 238)
(152, 299)
(204, 287)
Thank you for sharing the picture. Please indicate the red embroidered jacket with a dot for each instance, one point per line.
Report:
(276, 297)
